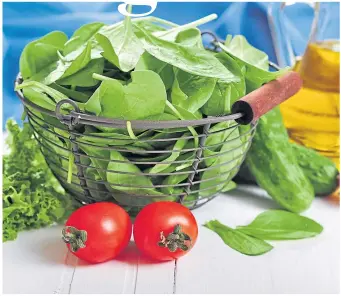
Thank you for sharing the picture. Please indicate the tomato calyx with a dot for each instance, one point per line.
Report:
(76, 238)
(175, 240)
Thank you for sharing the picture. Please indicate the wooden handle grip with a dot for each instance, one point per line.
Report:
(264, 99)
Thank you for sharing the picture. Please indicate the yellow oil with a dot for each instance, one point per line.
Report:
(312, 115)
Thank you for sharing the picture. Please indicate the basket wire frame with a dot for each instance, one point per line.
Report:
(62, 136)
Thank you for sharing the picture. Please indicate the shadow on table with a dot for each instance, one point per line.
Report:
(51, 249)
(132, 255)
(253, 195)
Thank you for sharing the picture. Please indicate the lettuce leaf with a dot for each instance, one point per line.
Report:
(31, 196)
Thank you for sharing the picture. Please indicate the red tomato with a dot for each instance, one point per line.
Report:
(165, 230)
(97, 232)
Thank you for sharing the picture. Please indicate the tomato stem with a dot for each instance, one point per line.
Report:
(175, 240)
(76, 238)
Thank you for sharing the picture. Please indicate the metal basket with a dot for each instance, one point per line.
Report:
(198, 173)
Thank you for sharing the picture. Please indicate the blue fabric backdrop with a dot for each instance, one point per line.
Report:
(24, 22)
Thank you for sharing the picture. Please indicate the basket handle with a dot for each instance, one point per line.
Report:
(267, 97)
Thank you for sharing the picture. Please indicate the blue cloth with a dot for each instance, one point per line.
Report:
(24, 22)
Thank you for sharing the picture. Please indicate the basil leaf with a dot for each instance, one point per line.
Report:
(281, 225)
(239, 241)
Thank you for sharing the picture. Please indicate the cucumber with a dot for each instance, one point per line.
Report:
(320, 170)
(272, 161)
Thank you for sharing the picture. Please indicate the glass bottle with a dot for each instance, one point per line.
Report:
(312, 115)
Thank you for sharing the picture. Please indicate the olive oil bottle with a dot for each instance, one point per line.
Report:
(312, 116)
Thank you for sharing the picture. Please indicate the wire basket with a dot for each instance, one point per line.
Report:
(164, 162)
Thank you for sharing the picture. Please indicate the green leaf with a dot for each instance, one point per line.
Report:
(37, 96)
(254, 62)
(229, 186)
(149, 62)
(191, 92)
(40, 53)
(125, 181)
(192, 60)
(72, 94)
(225, 93)
(239, 46)
(84, 77)
(281, 225)
(239, 241)
(222, 167)
(190, 37)
(81, 36)
(178, 146)
(144, 96)
(121, 46)
(67, 66)
(31, 195)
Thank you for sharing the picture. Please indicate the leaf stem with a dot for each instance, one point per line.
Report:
(100, 77)
(194, 24)
(130, 131)
(190, 128)
(71, 161)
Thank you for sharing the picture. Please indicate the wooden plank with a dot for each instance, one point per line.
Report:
(302, 266)
(35, 262)
(113, 277)
(154, 277)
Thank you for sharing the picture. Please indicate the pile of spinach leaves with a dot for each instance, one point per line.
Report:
(145, 68)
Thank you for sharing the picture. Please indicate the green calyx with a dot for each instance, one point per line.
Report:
(76, 238)
(175, 240)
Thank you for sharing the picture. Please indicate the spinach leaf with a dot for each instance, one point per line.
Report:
(99, 159)
(281, 225)
(144, 96)
(174, 155)
(84, 77)
(254, 75)
(149, 62)
(37, 96)
(121, 46)
(239, 241)
(125, 181)
(229, 186)
(37, 86)
(72, 94)
(225, 93)
(190, 37)
(41, 53)
(192, 60)
(66, 66)
(222, 168)
(239, 46)
(81, 37)
(191, 92)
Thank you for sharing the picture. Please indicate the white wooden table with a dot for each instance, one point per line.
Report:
(38, 262)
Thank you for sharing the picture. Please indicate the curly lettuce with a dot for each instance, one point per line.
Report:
(32, 197)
